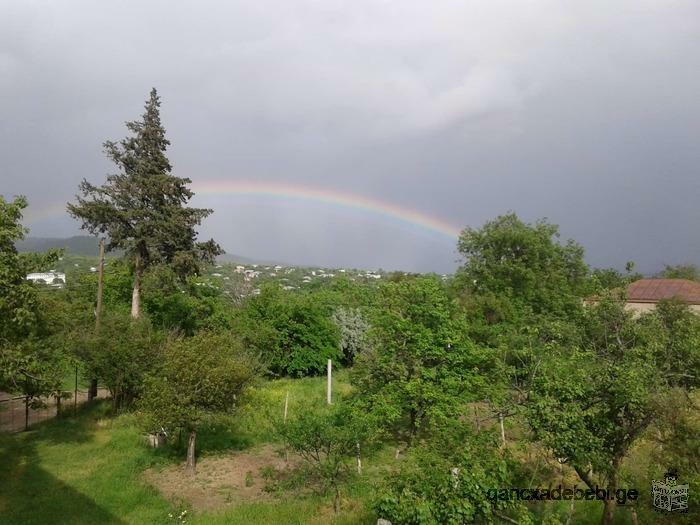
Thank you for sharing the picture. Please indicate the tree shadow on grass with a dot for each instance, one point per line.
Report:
(32, 496)
(71, 426)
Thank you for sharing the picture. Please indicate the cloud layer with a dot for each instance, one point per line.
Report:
(584, 112)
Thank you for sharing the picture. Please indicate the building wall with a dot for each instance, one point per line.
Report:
(642, 308)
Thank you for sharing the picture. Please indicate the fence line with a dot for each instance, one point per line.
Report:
(14, 415)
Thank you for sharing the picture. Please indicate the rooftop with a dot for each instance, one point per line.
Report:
(654, 290)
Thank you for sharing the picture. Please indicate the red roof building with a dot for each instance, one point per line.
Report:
(654, 290)
(643, 295)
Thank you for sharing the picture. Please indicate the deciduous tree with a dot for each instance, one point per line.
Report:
(420, 365)
(200, 376)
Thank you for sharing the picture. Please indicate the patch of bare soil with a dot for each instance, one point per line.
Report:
(221, 481)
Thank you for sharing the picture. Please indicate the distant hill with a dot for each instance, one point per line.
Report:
(232, 257)
(87, 245)
(78, 245)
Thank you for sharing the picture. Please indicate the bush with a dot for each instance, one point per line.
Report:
(292, 332)
(328, 441)
(449, 481)
(120, 354)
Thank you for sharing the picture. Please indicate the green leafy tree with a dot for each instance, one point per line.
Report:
(27, 365)
(18, 297)
(524, 264)
(119, 354)
(292, 332)
(420, 365)
(142, 209)
(593, 400)
(681, 271)
(184, 307)
(200, 377)
(33, 369)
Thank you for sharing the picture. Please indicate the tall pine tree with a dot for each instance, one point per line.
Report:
(143, 208)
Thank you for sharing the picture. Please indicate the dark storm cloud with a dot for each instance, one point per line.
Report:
(586, 113)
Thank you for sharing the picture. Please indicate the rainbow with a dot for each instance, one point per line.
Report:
(286, 191)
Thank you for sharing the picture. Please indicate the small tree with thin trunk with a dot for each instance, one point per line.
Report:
(200, 377)
(142, 209)
(329, 440)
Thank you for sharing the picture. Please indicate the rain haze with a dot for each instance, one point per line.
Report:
(439, 113)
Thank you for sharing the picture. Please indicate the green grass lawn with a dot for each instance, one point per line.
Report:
(87, 469)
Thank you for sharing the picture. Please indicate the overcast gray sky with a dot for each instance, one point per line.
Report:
(587, 113)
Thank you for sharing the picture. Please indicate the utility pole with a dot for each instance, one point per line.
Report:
(92, 393)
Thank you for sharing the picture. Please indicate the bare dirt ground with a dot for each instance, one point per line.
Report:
(221, 481)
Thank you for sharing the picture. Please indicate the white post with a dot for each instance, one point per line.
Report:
(359, 459)
(286, 405)
(328, 390)
(503, 430)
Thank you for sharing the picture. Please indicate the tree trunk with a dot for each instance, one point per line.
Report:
(136, 294)
(191, 460)
(634, 516)
(26, 413)
(92, 391)
(611, 504)
(336, 499)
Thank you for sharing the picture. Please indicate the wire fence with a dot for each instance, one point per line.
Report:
(17, 414)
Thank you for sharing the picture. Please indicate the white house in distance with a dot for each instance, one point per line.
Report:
(52, 278)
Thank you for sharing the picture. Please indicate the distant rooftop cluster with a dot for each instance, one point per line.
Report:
(50, 278)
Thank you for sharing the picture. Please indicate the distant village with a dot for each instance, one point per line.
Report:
(239, 280)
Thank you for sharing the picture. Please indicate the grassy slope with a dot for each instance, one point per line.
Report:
(87, 470)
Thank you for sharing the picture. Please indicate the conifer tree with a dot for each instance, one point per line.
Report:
(143, 209)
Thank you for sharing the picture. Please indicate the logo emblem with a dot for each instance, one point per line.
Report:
(668, 495)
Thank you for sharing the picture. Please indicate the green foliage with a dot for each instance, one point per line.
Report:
(328, 440)
(449, 481)
(18, 297)
(33, 369)
(142, 208)
(292, 332)
(594, 400)
(27, 364)
(199, 377)
(524, 264)
(681, 271)
(679, 357)
(184, 307)
(120, 354)
(420, 367)
(603, 279)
